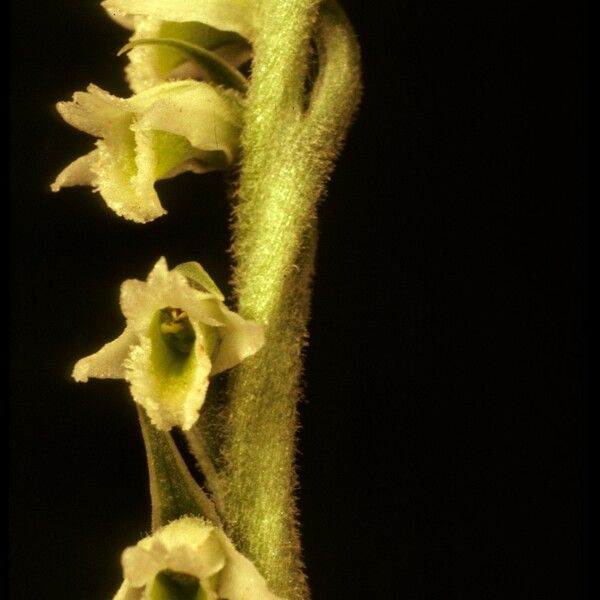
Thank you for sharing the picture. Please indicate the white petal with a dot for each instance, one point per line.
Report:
(240, 580)
(108, 362)
(239, 339)
(192, 531)
(164, 288)
(147, 66)
(126, 21)
(95, 111)
(191, 546)
(227, 15)
(201, 560)
(213, 118)
(140, 566)
(126, 592)
(79, 172)
(187, 545)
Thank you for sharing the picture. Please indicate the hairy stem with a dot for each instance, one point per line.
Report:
(260, 506)
(288, 154)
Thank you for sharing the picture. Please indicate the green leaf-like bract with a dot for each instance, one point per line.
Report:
(199, 278)
(173, 490)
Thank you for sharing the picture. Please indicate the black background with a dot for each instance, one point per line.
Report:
(441, 443)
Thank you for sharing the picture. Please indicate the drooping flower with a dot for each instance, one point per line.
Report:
(179, 333)
(189, 559)
(171, 128)
(225, 27)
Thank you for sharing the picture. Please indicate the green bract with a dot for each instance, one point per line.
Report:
(179, 332)
(189, 559)
(159, 133)
(222, 26)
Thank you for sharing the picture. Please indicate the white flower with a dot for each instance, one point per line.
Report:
(171, 128)
(189, 559)
(179, 332)
(223, 26)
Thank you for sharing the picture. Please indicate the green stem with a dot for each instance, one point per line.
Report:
(287, 156)
(260, 507)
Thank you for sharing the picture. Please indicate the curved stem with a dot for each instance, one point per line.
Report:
(287, 157)
(260, 507)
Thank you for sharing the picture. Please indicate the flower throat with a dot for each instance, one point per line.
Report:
(177, 330)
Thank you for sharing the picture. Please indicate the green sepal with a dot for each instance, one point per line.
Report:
(218, 70)
(173, 491)
(199, 278)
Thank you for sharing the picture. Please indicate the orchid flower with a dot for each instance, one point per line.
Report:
(225, 27)
(144, 138)
(189, 559)
(178, 334)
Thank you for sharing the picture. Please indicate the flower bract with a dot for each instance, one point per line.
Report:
(179, 333)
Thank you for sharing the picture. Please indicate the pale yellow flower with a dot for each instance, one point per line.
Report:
(189, 559)
(178, 334)
(166, 130)
(226, 27)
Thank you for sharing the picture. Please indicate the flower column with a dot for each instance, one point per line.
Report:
(287, 155)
